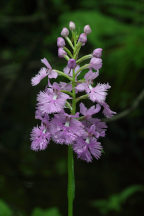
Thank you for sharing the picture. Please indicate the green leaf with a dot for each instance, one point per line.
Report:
(4, 209)
(115, 201)
(47, 212)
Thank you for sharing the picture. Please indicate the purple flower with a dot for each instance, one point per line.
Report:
(40, 138)
(52, 100)
(107, 111)
(97, 53)
(87, 147)
(61, 52)
(89, 77)
(95, 63)
(100, 127)
(37, 78)
(64, 32)
(65, 129)
(69, 71)
(60, 42)
(89, 112)
(65, 86)
(96, 94)
(45, 71)
(72, 25)
(87, 29)
(51, 73)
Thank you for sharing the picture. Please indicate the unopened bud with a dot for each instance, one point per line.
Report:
(97, 52)
(72, 25)
(87, 29)
(61, 52)
(83, 38)
(64, 32)
(60, 42)
(72, 63)
(96, 63)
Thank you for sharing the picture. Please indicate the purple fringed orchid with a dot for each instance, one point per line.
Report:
(64, 118)
(56, 105)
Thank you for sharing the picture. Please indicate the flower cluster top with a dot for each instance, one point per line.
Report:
(57, 105)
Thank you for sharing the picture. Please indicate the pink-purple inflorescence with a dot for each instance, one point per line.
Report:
(57, 103)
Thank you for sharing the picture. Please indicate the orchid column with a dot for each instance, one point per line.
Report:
(56, 105)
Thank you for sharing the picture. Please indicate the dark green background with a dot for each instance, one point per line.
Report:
(29, 180)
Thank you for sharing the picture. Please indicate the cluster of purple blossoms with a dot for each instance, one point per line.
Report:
(57, 104)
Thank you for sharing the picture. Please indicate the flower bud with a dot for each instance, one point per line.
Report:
(96, 63)
(72, 63)
(60, 42)
(64, 32)
(97, 52)
(83, 38)
(87, 29)
(72, 25)
(61, 52)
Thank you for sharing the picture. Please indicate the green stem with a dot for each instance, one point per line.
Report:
(69, 42)
(63, 74)
(83, 58)
(71, 184)
(74, 38)
(82, 97)
(68, 105)
(66, 57)
(81, 118)
(68, 51)
(82, 68)
(77, 49)
(67, 92)
(71, 179)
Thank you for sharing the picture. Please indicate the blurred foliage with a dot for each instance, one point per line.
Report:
(48, 212)
(115, 201)
(4, 209)
(29, 30)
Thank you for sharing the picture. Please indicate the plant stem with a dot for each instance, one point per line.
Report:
(82, 97)
(83, 58)
(82, 68)
(71, 179)
(71, 183)
(63, 74)
(68, 51)
(67, 92)
(69, 42)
